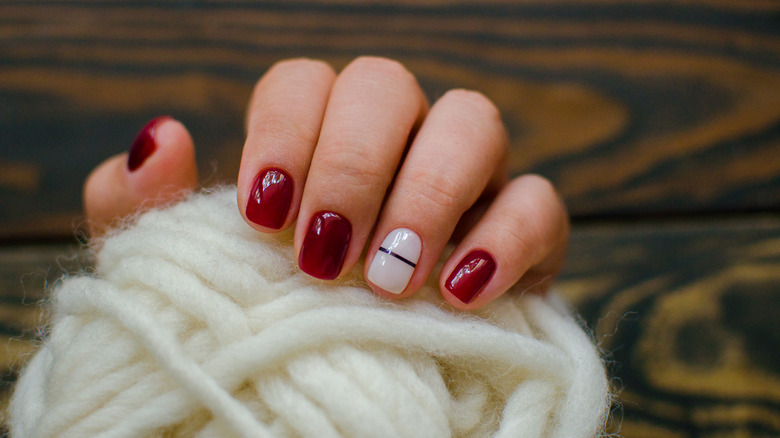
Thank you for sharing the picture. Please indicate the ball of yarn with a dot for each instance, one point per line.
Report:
(193, 324)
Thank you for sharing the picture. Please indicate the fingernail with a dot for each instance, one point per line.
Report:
(394, 263)
(471, 275)
(270, 198)
(144, 145)
(325, 245)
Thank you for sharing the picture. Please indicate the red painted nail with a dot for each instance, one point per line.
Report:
(325, 245)
(270, 198)
(144, 145)
(471, 275)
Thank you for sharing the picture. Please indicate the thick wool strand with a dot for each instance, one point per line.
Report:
(193, 324)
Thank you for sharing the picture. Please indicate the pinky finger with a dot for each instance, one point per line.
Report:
(520, 240)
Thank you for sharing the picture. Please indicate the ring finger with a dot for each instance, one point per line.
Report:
(458, 152)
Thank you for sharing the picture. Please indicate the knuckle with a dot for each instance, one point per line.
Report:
(526, 237)
(294, 66)
(521, 236)
(376, 64)
(472, 102)
(282, 129)
(380, 68)
(538, 184)
(305, 67)
(351, 166)
(439, 190)
(472, 113)
(545, 193)
(301, 64)
(537, 219)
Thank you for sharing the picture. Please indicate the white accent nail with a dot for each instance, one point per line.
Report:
(394, 263)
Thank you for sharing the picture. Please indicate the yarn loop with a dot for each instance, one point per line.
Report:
(194, 324)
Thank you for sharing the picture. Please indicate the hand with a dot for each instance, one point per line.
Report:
(360, 159)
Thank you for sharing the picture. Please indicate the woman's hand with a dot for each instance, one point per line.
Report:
(361, 160)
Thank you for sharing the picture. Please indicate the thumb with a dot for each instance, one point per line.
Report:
(158, 169)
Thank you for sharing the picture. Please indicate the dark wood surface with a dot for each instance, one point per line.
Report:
(686, 314)
(659, 121)
(631, 108)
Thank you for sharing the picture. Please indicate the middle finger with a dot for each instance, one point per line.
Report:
(373, 108)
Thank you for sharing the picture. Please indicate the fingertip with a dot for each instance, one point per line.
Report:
(384, 293)
(159, 168)
(463, 287)
(268, 205)
(391, 270)
(170, 169)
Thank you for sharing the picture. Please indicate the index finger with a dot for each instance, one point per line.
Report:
(283, 126)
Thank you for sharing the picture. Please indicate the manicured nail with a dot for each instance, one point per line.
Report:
(270, 198)
(394, 263)
(325, 245)
(471, 275)
(144, 145)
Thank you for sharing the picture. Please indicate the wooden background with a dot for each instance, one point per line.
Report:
(659, 121)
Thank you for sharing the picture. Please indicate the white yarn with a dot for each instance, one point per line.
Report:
(196, 325)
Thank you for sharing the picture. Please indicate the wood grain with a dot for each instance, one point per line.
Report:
(631, 108)
(27, 273)
(686, 314)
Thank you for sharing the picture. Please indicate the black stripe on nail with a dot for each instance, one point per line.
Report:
(408, 262)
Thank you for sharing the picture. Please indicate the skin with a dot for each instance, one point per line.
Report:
(365, 142)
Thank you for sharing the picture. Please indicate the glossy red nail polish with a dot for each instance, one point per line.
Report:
(325, 245)
(471, 275)
(270, 198)
(144, 145)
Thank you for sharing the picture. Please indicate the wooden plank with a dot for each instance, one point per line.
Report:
(631, 108)
(27, 271)
(685, 312)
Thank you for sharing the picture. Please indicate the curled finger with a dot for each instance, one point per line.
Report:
(521, 240)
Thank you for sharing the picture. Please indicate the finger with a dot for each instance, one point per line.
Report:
(159, 168)
(522, 238)
(374, 106)
(458, 152)
(283, 126)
